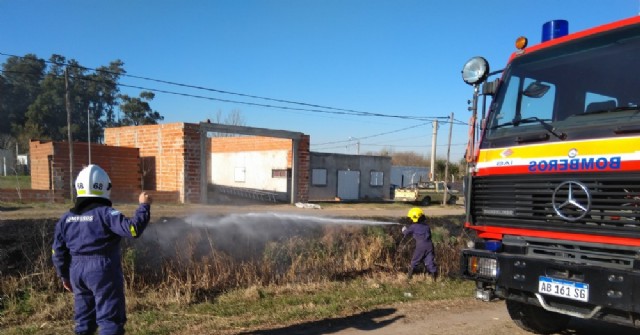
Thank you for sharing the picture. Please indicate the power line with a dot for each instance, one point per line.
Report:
(375, 135)
(389, 145)
(332, 110)
(244, 102)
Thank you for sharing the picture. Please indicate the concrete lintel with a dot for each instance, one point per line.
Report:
(206, 127)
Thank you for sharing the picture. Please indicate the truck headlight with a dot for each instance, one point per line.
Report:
(482, 266)
(475, 71)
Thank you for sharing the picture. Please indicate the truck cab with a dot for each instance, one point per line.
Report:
(553, 192)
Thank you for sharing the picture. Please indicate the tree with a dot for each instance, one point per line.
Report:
(90, 93)
(234, 118)
(32, 103)
(105, 93)
(409, 158)
(19, 87)
(454, 169)
(137, 111)
(46, 115)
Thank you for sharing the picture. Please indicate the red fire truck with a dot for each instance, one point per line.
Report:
(553, 189)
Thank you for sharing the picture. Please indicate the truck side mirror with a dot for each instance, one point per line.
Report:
(490, 87)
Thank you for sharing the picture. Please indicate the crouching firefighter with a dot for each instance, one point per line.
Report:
(423, 251)
(86, 252)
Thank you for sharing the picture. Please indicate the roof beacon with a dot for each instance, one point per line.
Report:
(554, 29)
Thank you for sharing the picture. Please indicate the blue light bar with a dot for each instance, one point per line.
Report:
(554, 29)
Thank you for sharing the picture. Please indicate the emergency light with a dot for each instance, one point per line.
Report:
(554, 29)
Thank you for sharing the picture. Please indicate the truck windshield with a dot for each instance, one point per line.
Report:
(586, 88)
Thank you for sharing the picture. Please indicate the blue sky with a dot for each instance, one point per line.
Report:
(398, 58)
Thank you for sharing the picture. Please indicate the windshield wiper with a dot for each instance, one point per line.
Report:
(544, 122)
(610, 110)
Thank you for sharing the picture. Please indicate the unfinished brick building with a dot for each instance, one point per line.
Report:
(183, 158)
(52, 173)
(180, 162)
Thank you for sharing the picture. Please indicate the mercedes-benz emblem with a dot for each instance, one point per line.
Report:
(571, 200)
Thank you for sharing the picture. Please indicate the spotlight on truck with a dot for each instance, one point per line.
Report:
(475, 71)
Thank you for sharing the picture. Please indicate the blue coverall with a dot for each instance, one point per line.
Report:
(424, 247)
(86, 253)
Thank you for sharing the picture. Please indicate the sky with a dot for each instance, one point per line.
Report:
(307, 66)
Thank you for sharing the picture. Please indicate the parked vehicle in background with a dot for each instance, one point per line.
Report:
(426, 193)
(553, 192)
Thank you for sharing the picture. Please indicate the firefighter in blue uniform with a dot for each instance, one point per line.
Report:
(86, 252)
(423, 251)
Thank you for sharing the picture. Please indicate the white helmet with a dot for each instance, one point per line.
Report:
(93, 181)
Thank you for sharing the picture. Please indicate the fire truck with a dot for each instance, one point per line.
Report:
(553, 190)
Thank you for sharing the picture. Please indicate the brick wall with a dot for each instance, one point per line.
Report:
(171, 153)
(41, 154)
(304, 169)
(250, 143)
(171, 157)
(50, 167)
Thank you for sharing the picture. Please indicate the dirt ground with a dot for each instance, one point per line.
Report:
(453, 317)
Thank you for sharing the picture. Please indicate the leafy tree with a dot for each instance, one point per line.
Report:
(454, 169)
(46, 115)
(137, 111)
(33, 105)
(19, 87)
(105, 93)
(7, 142)
(99, 99)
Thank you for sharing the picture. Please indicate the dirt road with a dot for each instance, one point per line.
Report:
(454, 317)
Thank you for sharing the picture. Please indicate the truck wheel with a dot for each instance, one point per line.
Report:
(426, 201)
(535, 319)
(452, 201)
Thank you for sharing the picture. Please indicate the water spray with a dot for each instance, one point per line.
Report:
(248, 218)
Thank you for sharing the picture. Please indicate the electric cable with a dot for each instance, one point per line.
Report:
(339, 111)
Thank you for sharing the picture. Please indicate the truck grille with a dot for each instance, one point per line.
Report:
(618, 257)
(527, 202)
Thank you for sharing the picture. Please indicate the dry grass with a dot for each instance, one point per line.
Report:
(225, 280)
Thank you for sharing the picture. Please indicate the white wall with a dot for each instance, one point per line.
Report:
(7, 162)
(257, 167)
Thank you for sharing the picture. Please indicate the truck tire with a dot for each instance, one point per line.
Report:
(535, 319)
(426, 201)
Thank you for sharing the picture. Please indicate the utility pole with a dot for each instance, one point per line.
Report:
(357, 144)
(434, 138)
(89, 133)
(446, 164)
(67, 100)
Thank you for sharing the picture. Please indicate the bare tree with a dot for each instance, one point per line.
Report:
(234, 118)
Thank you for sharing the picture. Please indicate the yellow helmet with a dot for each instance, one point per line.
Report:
(415, 213)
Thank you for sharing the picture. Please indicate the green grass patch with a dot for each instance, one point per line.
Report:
(13, 182)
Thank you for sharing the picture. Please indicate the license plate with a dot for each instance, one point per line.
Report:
(563, 288)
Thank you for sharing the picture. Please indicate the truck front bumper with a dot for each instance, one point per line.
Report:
(613, 294)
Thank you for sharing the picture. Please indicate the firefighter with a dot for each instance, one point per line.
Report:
(423, 251)
(86, 252)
